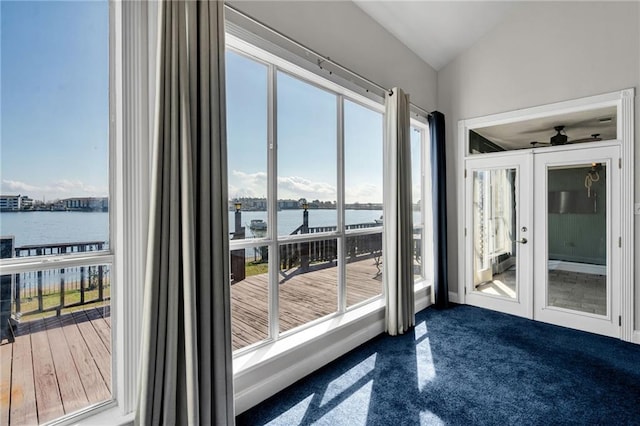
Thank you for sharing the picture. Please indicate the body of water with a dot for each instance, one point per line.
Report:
(54, 227)
(66, 227)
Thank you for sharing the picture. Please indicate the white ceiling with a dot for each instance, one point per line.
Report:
(436, 31)
(577, 125)
(439, 31)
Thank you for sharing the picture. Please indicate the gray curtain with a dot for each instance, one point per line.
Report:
(398, 216)
(186, 372)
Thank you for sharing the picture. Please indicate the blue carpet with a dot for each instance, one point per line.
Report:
(468, 366)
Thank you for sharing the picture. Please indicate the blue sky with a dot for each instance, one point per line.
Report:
(54, 98)
(54, 116)
(307, 138)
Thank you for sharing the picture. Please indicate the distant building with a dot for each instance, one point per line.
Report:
(26, 203)
(9, 203)
(288, 204)
(86, 204)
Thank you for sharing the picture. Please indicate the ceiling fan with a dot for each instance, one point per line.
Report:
(561, 138)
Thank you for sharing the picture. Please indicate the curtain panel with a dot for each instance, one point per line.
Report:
(398, 216)
(439, 191)
(186, 363)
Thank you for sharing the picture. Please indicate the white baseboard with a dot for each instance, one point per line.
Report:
(636, 337)
(262, 379)
(453, 297)
(584, 268)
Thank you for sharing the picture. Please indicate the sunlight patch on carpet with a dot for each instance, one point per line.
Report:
(424, 363)
(430, 419)
(353, 411)
(420, 330)
(295, 414)
(348, 379)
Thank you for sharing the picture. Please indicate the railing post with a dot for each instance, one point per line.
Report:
(17, 293)
(61, 292)
(304, 247)
(238, 261)
(40, 304)
(82, 282)
(100, 284)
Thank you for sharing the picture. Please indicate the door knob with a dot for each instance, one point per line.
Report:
(522, 241)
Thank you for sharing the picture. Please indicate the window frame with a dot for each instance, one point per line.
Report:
(426, 213)
(272, 240)
(108, 257)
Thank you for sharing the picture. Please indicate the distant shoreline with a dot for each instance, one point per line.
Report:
(54, 211)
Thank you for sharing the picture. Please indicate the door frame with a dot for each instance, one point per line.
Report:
(623, 100)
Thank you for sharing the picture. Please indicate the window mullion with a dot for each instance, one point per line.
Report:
(340, 205)
(272, 202)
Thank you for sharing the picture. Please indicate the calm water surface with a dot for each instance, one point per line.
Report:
(67, 227)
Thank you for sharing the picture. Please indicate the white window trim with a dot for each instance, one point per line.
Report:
(275, 65)
(132, 25)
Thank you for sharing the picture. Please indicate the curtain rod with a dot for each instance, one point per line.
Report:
(321, 58)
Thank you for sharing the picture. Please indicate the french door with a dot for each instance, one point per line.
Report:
(542, 236)
(498, 233)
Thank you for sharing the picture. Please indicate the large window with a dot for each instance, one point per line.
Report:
(305, 188)
(421, 195)
(56, 282)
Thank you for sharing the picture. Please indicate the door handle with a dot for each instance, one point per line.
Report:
(522, 241)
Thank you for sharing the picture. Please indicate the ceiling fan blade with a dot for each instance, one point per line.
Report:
(591, 139)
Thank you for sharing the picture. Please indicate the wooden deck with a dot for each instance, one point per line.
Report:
(59, 365)
(56, 366)
(303, 297)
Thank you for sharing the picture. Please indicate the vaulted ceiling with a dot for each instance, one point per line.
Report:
(437, 31)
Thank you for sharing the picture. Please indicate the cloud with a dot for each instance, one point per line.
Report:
(54, 190)
(296, 187)
(364, 193)
(243, 184)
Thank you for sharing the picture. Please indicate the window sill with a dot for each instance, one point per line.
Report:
(108, 415)
(251, 360)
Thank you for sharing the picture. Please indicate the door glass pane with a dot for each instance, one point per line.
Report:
(577, 236)
(494, 231)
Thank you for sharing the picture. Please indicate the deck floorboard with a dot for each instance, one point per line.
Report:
(56, 366)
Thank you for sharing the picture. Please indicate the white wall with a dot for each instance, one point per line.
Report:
(542, 53)
(343, 32)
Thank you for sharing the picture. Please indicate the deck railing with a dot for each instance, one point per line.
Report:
(305, 253)
(56, 289)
